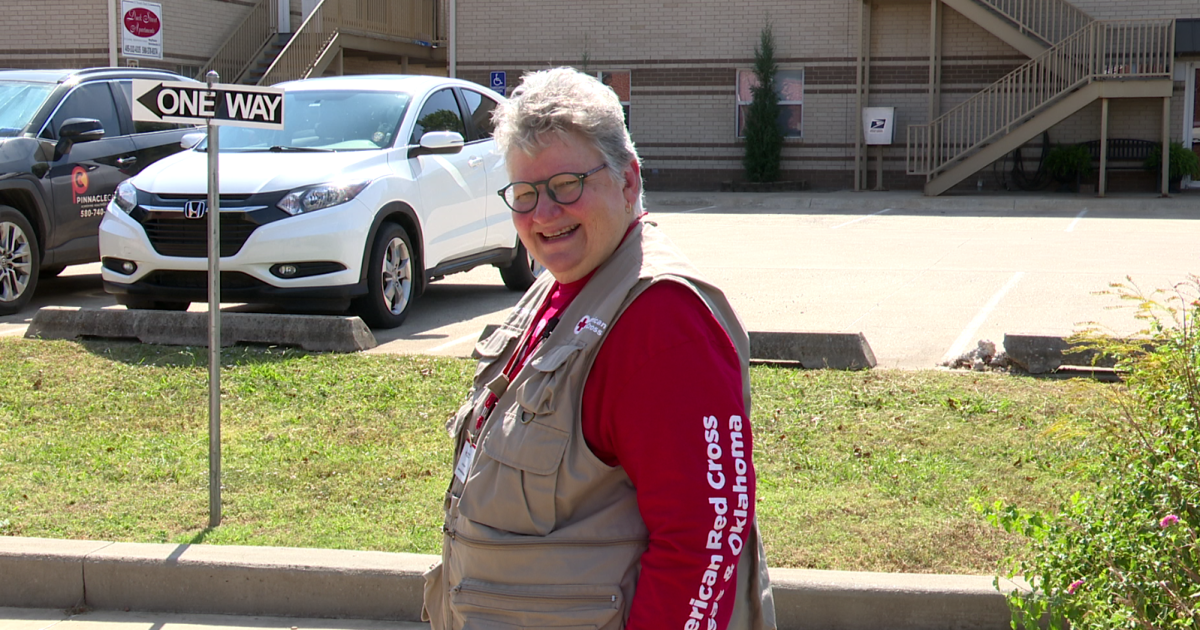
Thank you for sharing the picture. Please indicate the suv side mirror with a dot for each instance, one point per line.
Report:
(438, 142)
(81, 130)
(75, 130)
(190, 140)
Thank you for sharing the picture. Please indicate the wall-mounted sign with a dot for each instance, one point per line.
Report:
(142, 29)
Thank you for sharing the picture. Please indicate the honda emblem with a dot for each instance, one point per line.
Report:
(195, 209)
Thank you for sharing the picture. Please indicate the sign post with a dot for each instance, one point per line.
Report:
(214, 105)
(214, 315)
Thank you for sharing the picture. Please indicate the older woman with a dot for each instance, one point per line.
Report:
(603, 473)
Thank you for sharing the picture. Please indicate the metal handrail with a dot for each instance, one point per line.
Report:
(1122, 49)
(1051, 21)
(238, 50)
(414, 21)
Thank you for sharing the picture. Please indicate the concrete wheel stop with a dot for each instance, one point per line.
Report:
(811, 350)
(314, 333)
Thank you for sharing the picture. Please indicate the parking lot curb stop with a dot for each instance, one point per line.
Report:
(314, 333)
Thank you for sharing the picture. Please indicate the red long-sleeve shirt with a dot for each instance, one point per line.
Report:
(664, 401)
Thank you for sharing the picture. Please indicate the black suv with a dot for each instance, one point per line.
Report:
(67, 138)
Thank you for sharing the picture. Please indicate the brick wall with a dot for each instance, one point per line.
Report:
(74, 33)
(1129, 9)
(683, 72)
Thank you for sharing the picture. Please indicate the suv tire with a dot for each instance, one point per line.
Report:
(20, 259)
(520, 275)
(392, 279)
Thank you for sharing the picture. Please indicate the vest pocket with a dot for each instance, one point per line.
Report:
(483, 605)
(489, 349)
(433, 608)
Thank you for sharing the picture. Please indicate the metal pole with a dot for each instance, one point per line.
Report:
(214, 319)
(1103, 147)
(1166, 144)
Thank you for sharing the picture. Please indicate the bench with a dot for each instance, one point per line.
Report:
(1124, 154)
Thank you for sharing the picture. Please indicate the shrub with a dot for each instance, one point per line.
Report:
(1068, 162)
(764, 140)
(1183, 162)
(1127, 557)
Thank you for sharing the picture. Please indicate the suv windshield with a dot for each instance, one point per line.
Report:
(332, 120)
(19, 101)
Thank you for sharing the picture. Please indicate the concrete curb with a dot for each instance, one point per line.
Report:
(315, 333)
(279, 581)
(812, 350)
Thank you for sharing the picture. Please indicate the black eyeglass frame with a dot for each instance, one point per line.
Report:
(545, 183)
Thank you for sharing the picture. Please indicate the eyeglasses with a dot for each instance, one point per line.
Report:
(564, 188)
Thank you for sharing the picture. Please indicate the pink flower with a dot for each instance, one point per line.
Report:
(1168, 521)
(1074, 586)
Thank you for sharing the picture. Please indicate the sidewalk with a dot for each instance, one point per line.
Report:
(128, 583)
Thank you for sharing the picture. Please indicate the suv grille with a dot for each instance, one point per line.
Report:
(199, 279)
(173, 235)
(161, 215)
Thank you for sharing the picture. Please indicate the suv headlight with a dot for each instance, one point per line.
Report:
(320, 197)
(125, 197)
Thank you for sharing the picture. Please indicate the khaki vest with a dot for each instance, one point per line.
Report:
(543, 534)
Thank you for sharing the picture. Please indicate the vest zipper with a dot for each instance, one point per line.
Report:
(476, 588)
(474, 542)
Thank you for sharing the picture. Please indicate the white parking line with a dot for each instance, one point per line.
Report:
(451, 344)
(1071, 227)
(14, 331)
(968, 333)
(861, 218)
(697, 209)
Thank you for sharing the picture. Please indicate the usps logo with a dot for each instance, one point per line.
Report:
(592, 324)
(878, 124)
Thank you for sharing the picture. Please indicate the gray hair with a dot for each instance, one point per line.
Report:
(549, 103)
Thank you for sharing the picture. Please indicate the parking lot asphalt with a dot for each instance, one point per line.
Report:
(923, 279)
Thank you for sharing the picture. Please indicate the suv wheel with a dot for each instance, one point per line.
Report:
(19, 261)
(392, 275)
(520, 275)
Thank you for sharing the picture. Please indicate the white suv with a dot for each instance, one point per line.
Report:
(375, 186)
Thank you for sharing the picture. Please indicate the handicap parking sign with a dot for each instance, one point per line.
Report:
(499, 81)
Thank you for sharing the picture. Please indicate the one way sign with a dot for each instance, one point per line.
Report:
(223, 104)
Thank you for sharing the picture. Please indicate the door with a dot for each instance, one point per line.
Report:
(452, 185)
(84, 177)
(479, 107)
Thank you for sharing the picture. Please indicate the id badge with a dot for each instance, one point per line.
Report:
(464, 462)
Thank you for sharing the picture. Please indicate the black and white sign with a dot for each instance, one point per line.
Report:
(223, 104)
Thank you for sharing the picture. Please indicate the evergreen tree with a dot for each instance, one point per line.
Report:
(764, 139)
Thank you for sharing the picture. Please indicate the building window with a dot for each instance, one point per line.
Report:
(619, 82)
(789, 85)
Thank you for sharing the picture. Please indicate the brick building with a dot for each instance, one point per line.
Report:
(682, 68)
(681, 61)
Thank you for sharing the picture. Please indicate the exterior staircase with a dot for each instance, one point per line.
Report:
(256, 53)
(409, 27)
(256, 38)
(1099, 59)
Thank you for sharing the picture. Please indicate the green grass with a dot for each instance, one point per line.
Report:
(857, 470)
